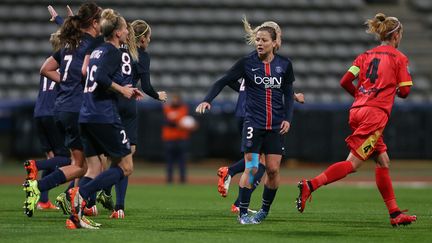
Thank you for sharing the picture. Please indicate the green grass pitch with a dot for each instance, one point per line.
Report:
(192, 213)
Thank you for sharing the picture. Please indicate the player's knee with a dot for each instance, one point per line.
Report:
(272, 172)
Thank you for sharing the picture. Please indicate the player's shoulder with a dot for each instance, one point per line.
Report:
(283, 59)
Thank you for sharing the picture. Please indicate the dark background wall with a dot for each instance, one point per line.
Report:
(317, 133)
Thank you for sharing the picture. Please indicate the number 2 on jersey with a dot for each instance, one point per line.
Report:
(372, 71)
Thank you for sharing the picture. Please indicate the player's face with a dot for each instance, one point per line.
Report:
(264, 43)
(146, 39)
(123, 32)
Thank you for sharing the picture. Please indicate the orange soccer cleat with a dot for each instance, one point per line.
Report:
(224, 181)
(402, 219)
(70, 224)
(46, 206)
(305, 194)
(118, 214)
(32, 171)
(93, 211)
(235, 209)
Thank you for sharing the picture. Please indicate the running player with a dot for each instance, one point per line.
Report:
(77, 37)
(101, 129)
(382, 73)
(268, 79)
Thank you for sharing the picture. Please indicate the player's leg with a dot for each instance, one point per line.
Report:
(121, 188)
(170, 155)
(384, 184)
(181, 159)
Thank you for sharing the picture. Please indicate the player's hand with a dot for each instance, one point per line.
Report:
(138, 95)
(128, 91)
(299, 97)
(202, 107)
(162, 96)
(285, 126)
(52, 12)
(69, 11)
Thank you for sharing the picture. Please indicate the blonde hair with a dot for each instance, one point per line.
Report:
(383, 27)
(251, 32)
(131, 43)
(141, 28)
(55, 41)
(111, 21)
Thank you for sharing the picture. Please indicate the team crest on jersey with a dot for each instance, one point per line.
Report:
(278, 69)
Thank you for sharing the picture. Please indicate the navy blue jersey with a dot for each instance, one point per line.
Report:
(240, 110)
(45, 101)
(69, 98)
(100, 103)
(141, 71)
(126, 107)
(268, 88)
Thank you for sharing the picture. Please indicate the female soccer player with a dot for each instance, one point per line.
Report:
(101, 129)
(268, 81)
(382, 73)
(52, 140)
(78, 38)
(226, 173)
(134, 71)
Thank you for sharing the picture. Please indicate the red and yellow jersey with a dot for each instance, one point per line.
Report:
(380, 72)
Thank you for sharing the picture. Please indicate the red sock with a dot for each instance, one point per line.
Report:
(384, 184)
(333, 173)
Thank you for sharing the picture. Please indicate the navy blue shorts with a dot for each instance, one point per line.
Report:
(128, 115)
(258, 141)
(50, 137)
(107, 139)
(67, 123)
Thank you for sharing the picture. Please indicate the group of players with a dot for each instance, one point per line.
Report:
(96, 119)
(97, 64)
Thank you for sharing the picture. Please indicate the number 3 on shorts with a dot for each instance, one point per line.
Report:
(249, 133)
(125, 140)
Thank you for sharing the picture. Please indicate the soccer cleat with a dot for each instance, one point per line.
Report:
(90, 222)
(105, 199)
(32, 171)
(77, 205)
(224, 181)
(32, 196)
(236, 210)
(70, 224)
(119, 214)
(46, 206)
(305, 194)
(91, 211)
(259, 217)
(402, 219)
(245, 219)
(63, 203)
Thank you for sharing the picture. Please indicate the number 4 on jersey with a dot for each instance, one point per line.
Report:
(372, 71)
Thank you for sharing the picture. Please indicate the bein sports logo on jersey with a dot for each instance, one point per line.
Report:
(269, 82)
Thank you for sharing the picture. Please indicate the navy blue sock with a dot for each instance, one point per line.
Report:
(268, 197)
(44, 194)
(120, 188)
(57, 177)
(258, 176)
(236, 168)
(91, 200)
(245, 195)
(83, 181)
(107, 190)
(237, 201)
(71, 185)
(103, 180)
(53, 163)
